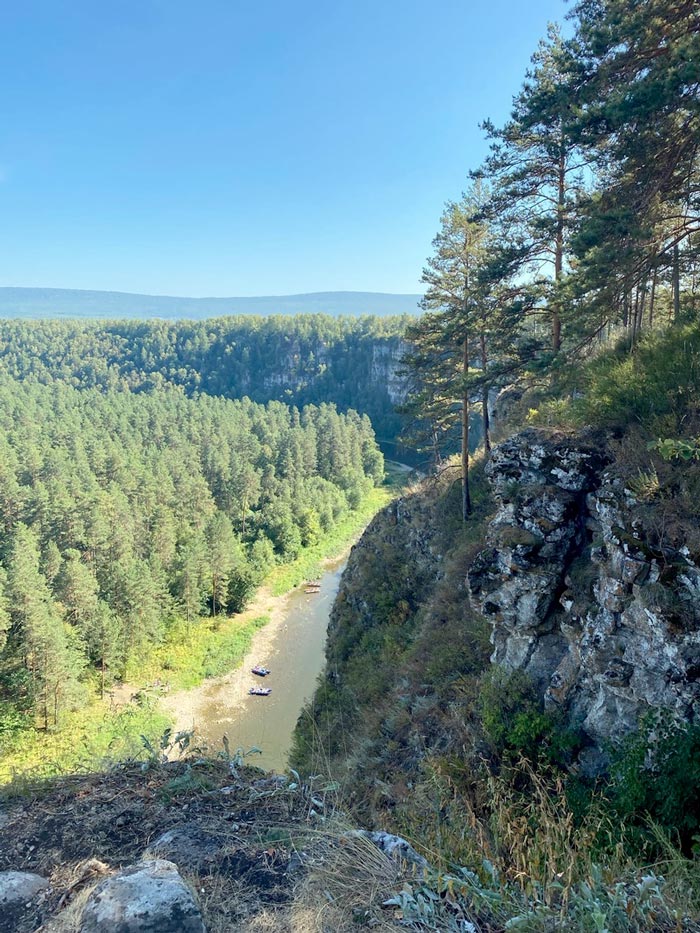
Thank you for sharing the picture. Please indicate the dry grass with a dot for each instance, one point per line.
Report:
(349, 884)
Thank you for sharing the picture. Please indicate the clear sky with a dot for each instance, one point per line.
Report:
(220, 147)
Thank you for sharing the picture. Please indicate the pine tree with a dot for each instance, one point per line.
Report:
(636, 88)
(445, 340)
(222, 547)
(535, 166)
(50, 651)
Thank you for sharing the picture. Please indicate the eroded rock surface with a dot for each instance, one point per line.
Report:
(149, 897)
(16, 887)
(18, 892)
(188, 846)
(606, 624)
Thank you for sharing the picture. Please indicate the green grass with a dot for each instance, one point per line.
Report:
(208, 647)
(88, 739)
(655, 386)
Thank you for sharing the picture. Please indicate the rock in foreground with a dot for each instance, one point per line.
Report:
(149, 897)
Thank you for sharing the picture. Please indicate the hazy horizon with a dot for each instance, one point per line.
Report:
(207, 297)
(17, 302)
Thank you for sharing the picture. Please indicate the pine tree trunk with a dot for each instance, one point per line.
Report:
(642, 302)
(559, 253)
(676, 285)
(485, 396)
(652, 296)
(634, 316)
(466, 499)
(436, 451)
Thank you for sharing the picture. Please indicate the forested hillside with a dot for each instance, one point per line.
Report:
(352, 362)
(125, 517)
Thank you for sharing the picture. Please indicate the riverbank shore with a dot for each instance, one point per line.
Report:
(218, 704)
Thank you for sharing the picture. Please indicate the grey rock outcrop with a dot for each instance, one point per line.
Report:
(19, 892)
(149, 897)
(606, 624)
(18, 887)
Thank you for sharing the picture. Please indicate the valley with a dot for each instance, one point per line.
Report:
(344, 611)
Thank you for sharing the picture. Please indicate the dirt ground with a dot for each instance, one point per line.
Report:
(253, 837)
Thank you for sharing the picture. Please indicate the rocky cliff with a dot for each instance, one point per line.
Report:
(584, 591)
(583, 572)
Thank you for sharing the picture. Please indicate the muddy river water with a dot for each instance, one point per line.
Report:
(292, 647)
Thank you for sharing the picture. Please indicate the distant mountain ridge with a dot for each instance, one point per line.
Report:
(76, 303)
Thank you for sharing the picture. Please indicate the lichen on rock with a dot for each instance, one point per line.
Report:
(576, 596)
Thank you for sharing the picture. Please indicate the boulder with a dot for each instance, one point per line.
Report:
(19, 890)
(148, 897)
(19, 887)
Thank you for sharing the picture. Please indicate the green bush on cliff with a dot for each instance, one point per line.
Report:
(656, 387)
(655, 775)
(515, 724)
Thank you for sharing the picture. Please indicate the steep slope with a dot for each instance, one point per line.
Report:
(583, 573)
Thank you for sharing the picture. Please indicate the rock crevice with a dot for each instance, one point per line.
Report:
(604, 624)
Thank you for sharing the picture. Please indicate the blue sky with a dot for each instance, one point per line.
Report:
(244, 148)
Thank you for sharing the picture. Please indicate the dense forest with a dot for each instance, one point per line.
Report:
(123, 515)
(299, 360)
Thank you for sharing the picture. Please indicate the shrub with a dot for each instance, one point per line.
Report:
(515, 723)
(656, 773)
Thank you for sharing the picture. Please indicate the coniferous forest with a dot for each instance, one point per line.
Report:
(298, 360)
(124, 514)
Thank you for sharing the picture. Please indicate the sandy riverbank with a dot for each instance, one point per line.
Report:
(184, 705)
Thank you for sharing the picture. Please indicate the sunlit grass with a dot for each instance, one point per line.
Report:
(308, 564)
(88, 738)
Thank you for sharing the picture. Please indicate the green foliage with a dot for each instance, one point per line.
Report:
(91, 738)
(447, 902)
(673, 449)
(658, 385)
(655, 773)
(121, 525)
(298, 360)
(654, 387)
(515, 724)
(160, 753)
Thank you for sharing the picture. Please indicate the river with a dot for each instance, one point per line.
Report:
(292, 646)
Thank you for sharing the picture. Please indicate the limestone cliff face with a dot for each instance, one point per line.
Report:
(606, 622)
(386, 369)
